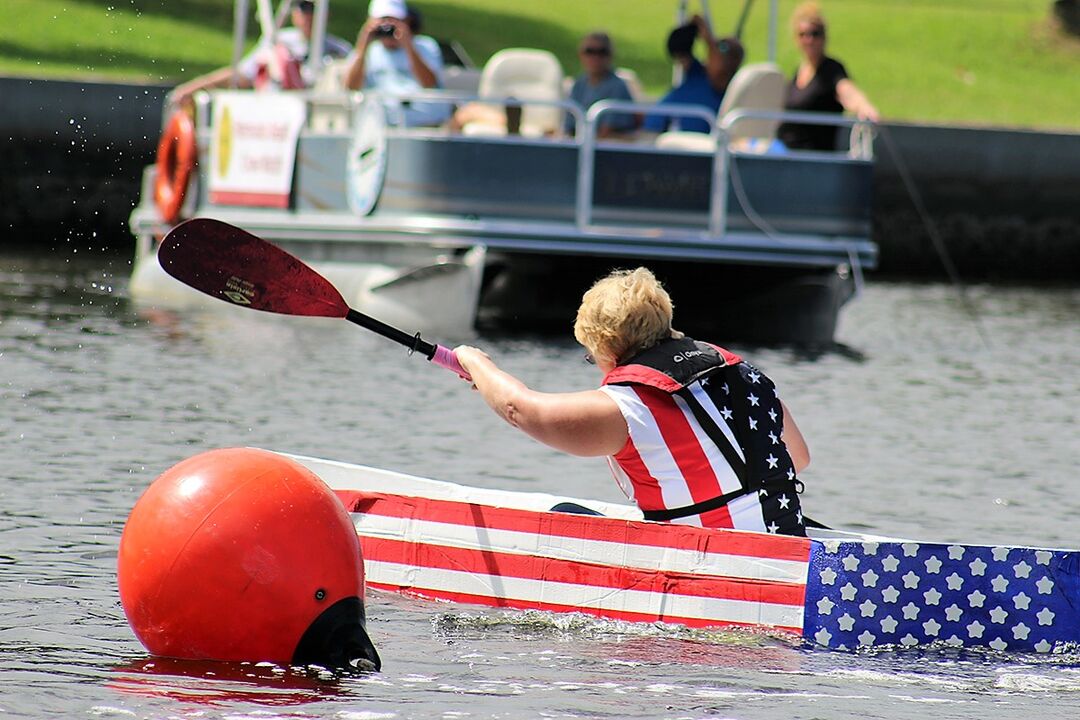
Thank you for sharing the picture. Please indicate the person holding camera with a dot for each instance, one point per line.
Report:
(393, 59)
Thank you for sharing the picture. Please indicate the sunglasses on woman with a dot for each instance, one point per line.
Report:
(595, 51)
(816, 33)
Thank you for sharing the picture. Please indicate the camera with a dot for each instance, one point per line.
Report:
(384, 30)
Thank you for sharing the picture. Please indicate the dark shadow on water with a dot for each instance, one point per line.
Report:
(813, 353)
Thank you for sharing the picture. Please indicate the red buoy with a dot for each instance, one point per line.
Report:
(243, 554)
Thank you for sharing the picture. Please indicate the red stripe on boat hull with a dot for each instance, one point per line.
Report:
(500, 564)
(586, 527)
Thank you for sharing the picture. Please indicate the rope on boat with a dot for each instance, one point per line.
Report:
(856, 267)
(935, 237)
(770, 232)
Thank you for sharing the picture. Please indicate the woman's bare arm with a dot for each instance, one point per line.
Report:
(794, 440)
(855, 101)
(585, 423)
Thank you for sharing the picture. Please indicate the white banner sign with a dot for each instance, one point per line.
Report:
(253, 150)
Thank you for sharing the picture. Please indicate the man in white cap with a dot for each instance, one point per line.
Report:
(392, 59)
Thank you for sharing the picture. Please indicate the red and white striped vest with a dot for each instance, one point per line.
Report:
(704, 445)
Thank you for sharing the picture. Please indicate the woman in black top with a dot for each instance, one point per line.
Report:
(821, 84)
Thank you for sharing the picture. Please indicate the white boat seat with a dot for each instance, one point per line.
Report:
(525, 74)
(633, 84)
(758, 86)
(682, 140)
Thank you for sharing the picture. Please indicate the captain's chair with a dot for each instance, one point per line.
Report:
(525, 74)
(758, 86)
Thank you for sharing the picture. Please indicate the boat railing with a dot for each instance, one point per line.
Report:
(862, 131)
(396, 102)
(589, 217)
(588, 139)
(861, 148)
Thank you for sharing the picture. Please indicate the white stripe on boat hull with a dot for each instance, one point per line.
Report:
(418, 579)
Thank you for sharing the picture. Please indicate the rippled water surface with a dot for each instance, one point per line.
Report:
(918, 427)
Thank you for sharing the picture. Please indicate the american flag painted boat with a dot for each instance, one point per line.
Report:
(838, 590)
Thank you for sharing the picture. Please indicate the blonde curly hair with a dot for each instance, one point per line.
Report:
(808, 12)
(624, 313)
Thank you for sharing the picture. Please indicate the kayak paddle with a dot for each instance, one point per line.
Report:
(233, 265)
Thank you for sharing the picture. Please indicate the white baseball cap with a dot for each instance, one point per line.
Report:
(387, 8)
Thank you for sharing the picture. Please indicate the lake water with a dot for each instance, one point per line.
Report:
(919, 426)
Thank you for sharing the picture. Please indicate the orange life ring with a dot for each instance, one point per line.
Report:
(176, 155)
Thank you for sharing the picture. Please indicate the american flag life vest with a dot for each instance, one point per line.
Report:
(704, 445)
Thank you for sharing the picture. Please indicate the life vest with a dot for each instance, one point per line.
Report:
(278, 69)
(705, 445)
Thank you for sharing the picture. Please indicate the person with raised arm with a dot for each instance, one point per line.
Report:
(693, 433)
(702, 85)
(294, 40)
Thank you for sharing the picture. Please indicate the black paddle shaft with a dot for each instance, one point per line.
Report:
(414, 342)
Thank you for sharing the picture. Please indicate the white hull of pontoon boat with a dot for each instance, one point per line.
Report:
(438, 296)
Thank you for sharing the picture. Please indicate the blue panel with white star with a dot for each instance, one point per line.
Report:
(903, 593)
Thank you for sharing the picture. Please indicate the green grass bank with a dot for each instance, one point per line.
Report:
(971, 62)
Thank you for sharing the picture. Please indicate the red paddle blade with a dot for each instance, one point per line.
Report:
(233, 265)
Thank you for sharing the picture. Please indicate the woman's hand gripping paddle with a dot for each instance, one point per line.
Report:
(233, 265)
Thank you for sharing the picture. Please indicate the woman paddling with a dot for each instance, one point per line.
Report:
(694, 434)
(820, 84)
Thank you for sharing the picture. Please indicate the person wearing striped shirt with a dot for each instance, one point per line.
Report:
(693, 433)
